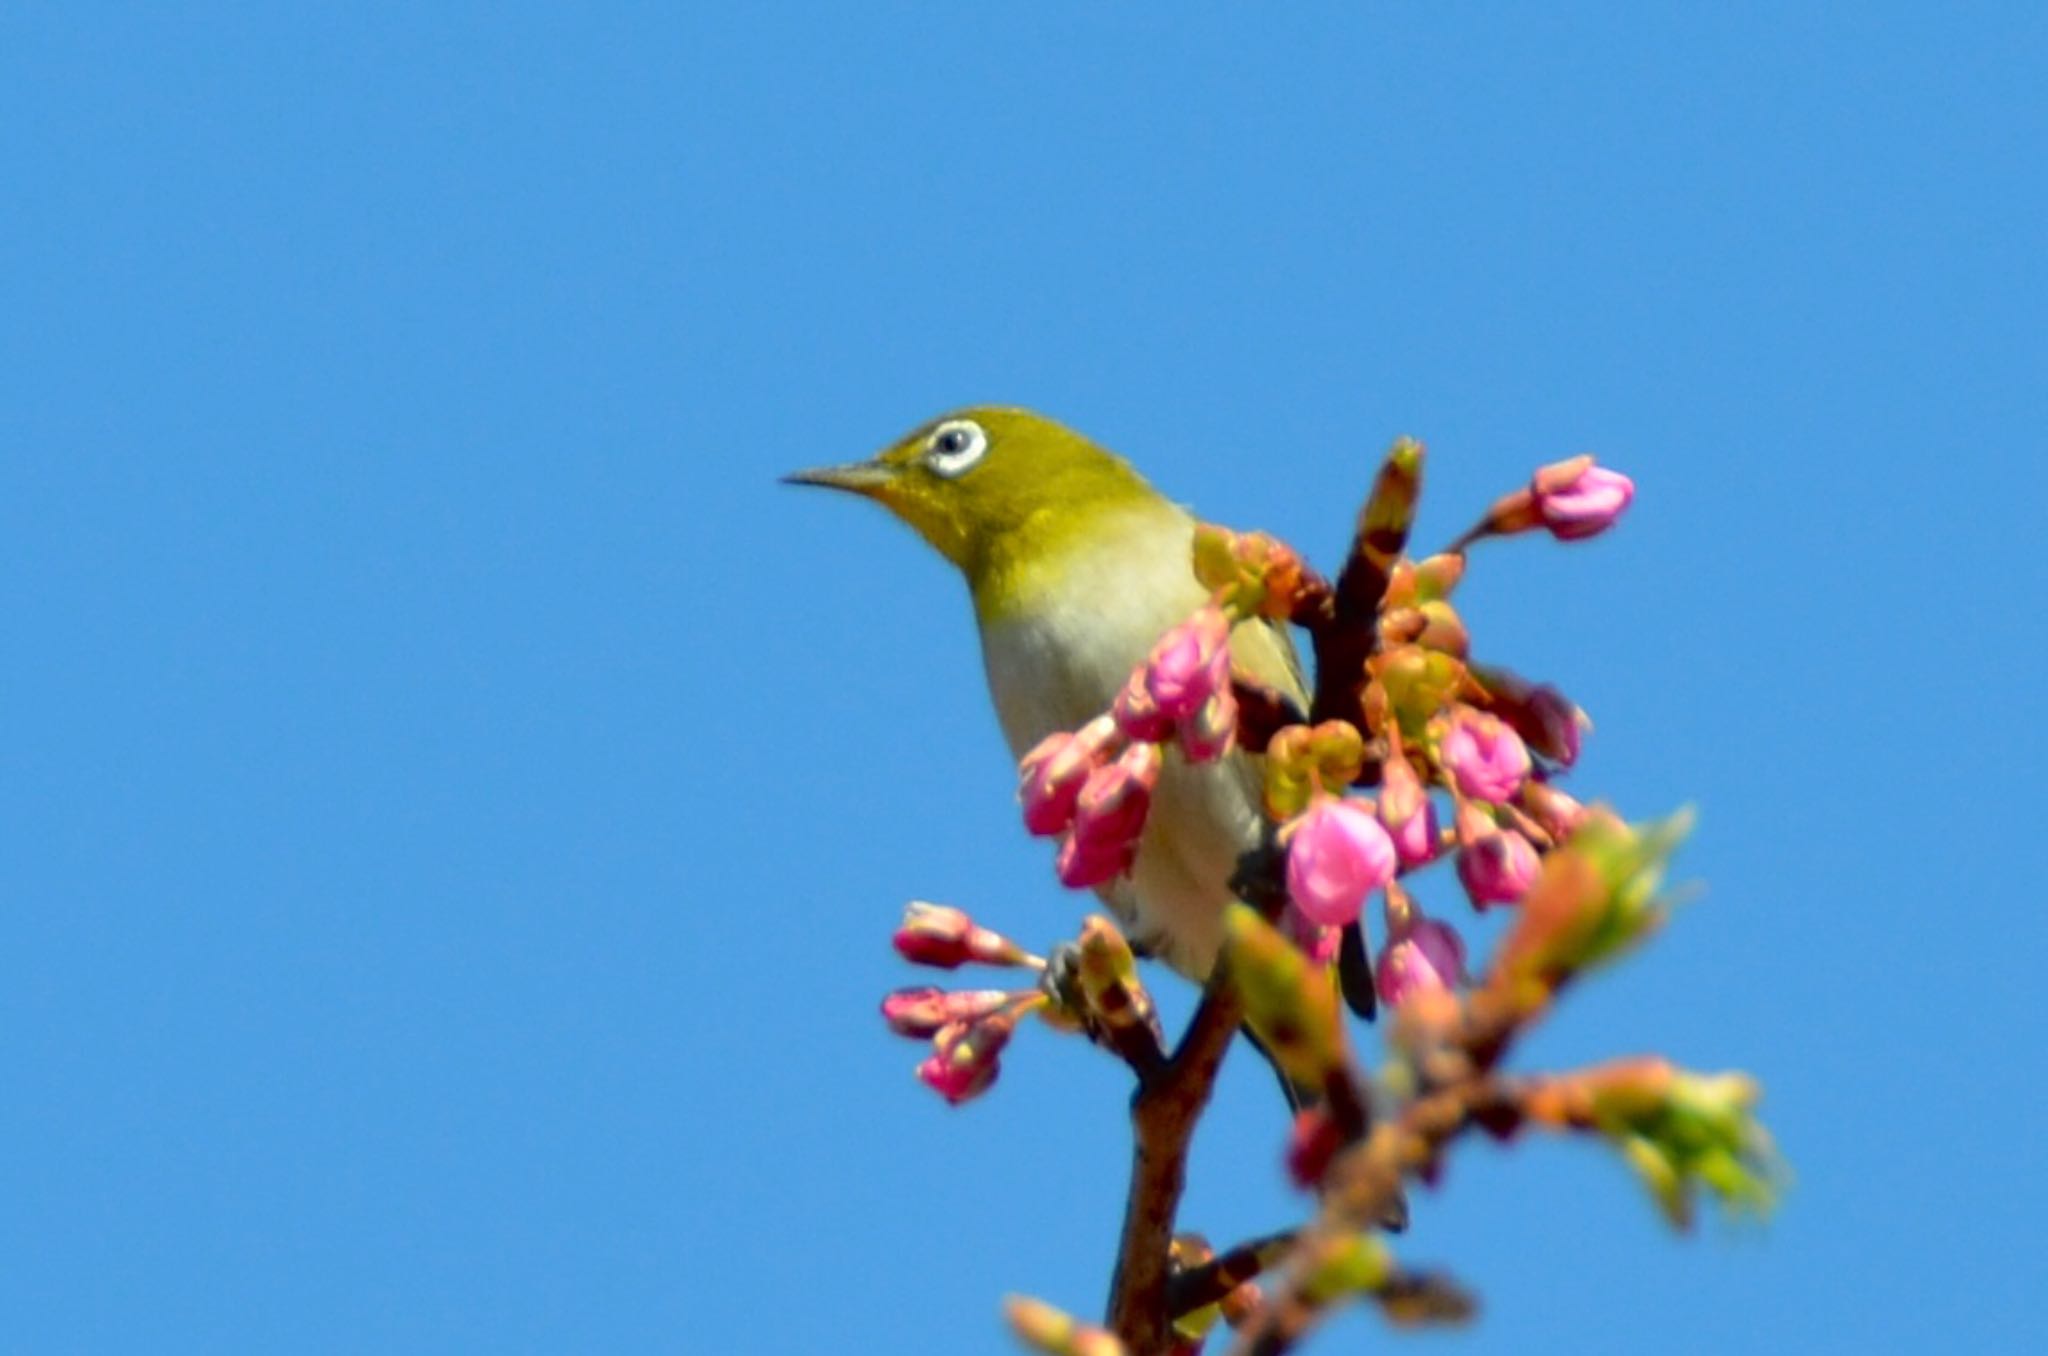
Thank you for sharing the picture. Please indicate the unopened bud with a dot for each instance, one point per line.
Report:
(1485, 759)
(1576, 499)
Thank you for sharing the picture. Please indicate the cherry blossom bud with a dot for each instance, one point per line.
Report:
(1486, 759)
(1407, 813)
(1337, 855)
(1545, 718)
(945, 937)
(1053, 772)
(1415, 842)
(1576, 499)
(1208, 734)
(1136, 714)
(963, 1062)
(1497, 867)
(1114, 799)
(1083, 863)
(923, 1011)
(1190, 663)
(1556, 813)
(1050, 777)
(1109, 815)
(1550, 724)
(1425, 956)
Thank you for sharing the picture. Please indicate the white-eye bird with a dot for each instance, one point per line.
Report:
(1077, 566)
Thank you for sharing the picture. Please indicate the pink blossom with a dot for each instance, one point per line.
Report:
(1114, 799)
(1415, 842)
(1425, 955)
(1136, 714)
(963, 1062)
(1556, 813)
(1407, 813)
(945, 937)
(1083, 863)
(1337, 854)
(1497, 867)
(1109, 814)
(1053, 772)
(923, 1011)
(1485, 758)
(1577, 499)
(1190, 663)
(935, 934)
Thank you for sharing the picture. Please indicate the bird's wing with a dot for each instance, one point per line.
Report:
(1263, 650)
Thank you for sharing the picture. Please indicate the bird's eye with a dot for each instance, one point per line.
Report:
(954, 446)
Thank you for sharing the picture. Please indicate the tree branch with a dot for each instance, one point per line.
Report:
(1214, 1279)
(1163, 1116)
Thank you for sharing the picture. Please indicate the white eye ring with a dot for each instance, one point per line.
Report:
(954, 447)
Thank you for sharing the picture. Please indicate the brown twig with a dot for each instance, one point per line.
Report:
(1348, 639)
(1214, 1279)
(1163, 1116)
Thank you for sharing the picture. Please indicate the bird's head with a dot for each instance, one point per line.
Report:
(988, 482)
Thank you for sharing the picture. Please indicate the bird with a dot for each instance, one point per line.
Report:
(1076, 565)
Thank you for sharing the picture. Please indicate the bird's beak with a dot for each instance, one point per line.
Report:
(858, 477)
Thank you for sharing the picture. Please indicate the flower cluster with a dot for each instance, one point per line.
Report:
(1436, 733)
(967, 1028)
(1091, 788)
(1468, 749)
(1091, 986)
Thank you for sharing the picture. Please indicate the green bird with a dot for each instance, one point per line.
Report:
(1076, 566)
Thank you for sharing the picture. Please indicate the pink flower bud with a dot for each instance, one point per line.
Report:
(1083, 863)
(1576, 499)
(945, 937)
(1190, 663)
(934, 934)
(1114, 799)
(1407, 813)
(1415, 842)
(922, 1011)
(1337, 854)
(1208, 734)
(1556, 813)
(963, 1062)
(1497, 867)
(1485, 758)
(1052, 774)
(1136, 714)
(1425, 956)
(1109, 815)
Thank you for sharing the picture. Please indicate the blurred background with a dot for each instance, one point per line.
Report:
(453, 802)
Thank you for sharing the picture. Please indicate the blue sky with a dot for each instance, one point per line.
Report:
(455, 801)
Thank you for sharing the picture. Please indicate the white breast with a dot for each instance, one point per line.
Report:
(1065, 664)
